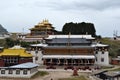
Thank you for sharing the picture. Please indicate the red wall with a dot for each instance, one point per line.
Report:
(115, 62)
(2, 63)
(25, 60)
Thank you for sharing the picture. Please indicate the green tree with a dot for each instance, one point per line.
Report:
(9, 42)
(79, 28)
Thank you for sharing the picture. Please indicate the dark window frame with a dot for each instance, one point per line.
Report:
(25, 71)
(2, 71)
(10, 71)
(17, 71)
(102, 59)
(103, 52)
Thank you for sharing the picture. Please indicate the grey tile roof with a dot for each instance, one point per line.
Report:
(91, 47)
(69, 40)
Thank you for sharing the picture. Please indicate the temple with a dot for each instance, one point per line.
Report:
(69, 51)
(42, 28)
(13, 56)
(38, 32)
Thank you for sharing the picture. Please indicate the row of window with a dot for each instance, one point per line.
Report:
(98, 52)
(11, 60)
(11, 71)
(102, 59)
(101, 49)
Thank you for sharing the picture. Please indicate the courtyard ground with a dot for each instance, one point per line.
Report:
(55, 75)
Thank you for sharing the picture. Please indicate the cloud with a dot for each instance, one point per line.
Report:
(83, 4)
(26, 13)
(63, 4)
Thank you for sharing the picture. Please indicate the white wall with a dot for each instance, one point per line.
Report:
(100, 55)
(39, 55)
(21, 75)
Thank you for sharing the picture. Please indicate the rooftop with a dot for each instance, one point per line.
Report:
(69, 56)
(69, 40)
(15, 51)
(17, 47)
(90, 47)
(112, 73)
(39, 45)
(99, 45)
(43, 25)
(70, 36)
(25, 65)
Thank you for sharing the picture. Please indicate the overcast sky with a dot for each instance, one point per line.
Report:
(16, 15)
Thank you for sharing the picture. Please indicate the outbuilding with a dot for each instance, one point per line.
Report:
(25, 70)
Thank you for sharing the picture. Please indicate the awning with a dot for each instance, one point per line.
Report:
(68, 57)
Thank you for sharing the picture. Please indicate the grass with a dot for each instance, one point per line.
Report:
(117, 69)
(74, 78)
(40, 73)
(114, 46)
(107, 67)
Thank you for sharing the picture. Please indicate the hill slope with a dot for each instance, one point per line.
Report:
(3, 30)
(114, 46)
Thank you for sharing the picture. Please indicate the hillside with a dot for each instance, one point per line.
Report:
(114, 46)
(3, 30)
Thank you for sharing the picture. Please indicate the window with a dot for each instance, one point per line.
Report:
(10, 71)
(36, 51)
(36, 58)
(25, 71)
(2, 71)
(96, 59)
(102, 52)
(102, 59)
(96, 52)
(17, 71)
(99, 49)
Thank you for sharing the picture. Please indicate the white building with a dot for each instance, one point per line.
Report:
(101, 54)
(3, 36)
(36, 51)
(101, 50)
(25, 70)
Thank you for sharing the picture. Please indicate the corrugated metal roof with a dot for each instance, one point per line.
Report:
(69, 40)
(112, 73)
(40, 45)
(25, 65)
(99, 45)
(70, 36)
(68, 56)
(90, 47)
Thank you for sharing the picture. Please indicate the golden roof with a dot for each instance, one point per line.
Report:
(44, 22)
(43, 25)
(15, 52)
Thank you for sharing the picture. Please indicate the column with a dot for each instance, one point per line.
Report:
(58, 61)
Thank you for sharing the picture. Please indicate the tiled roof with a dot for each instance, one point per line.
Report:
(70, 40)
(70, 36)
(15, 52)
